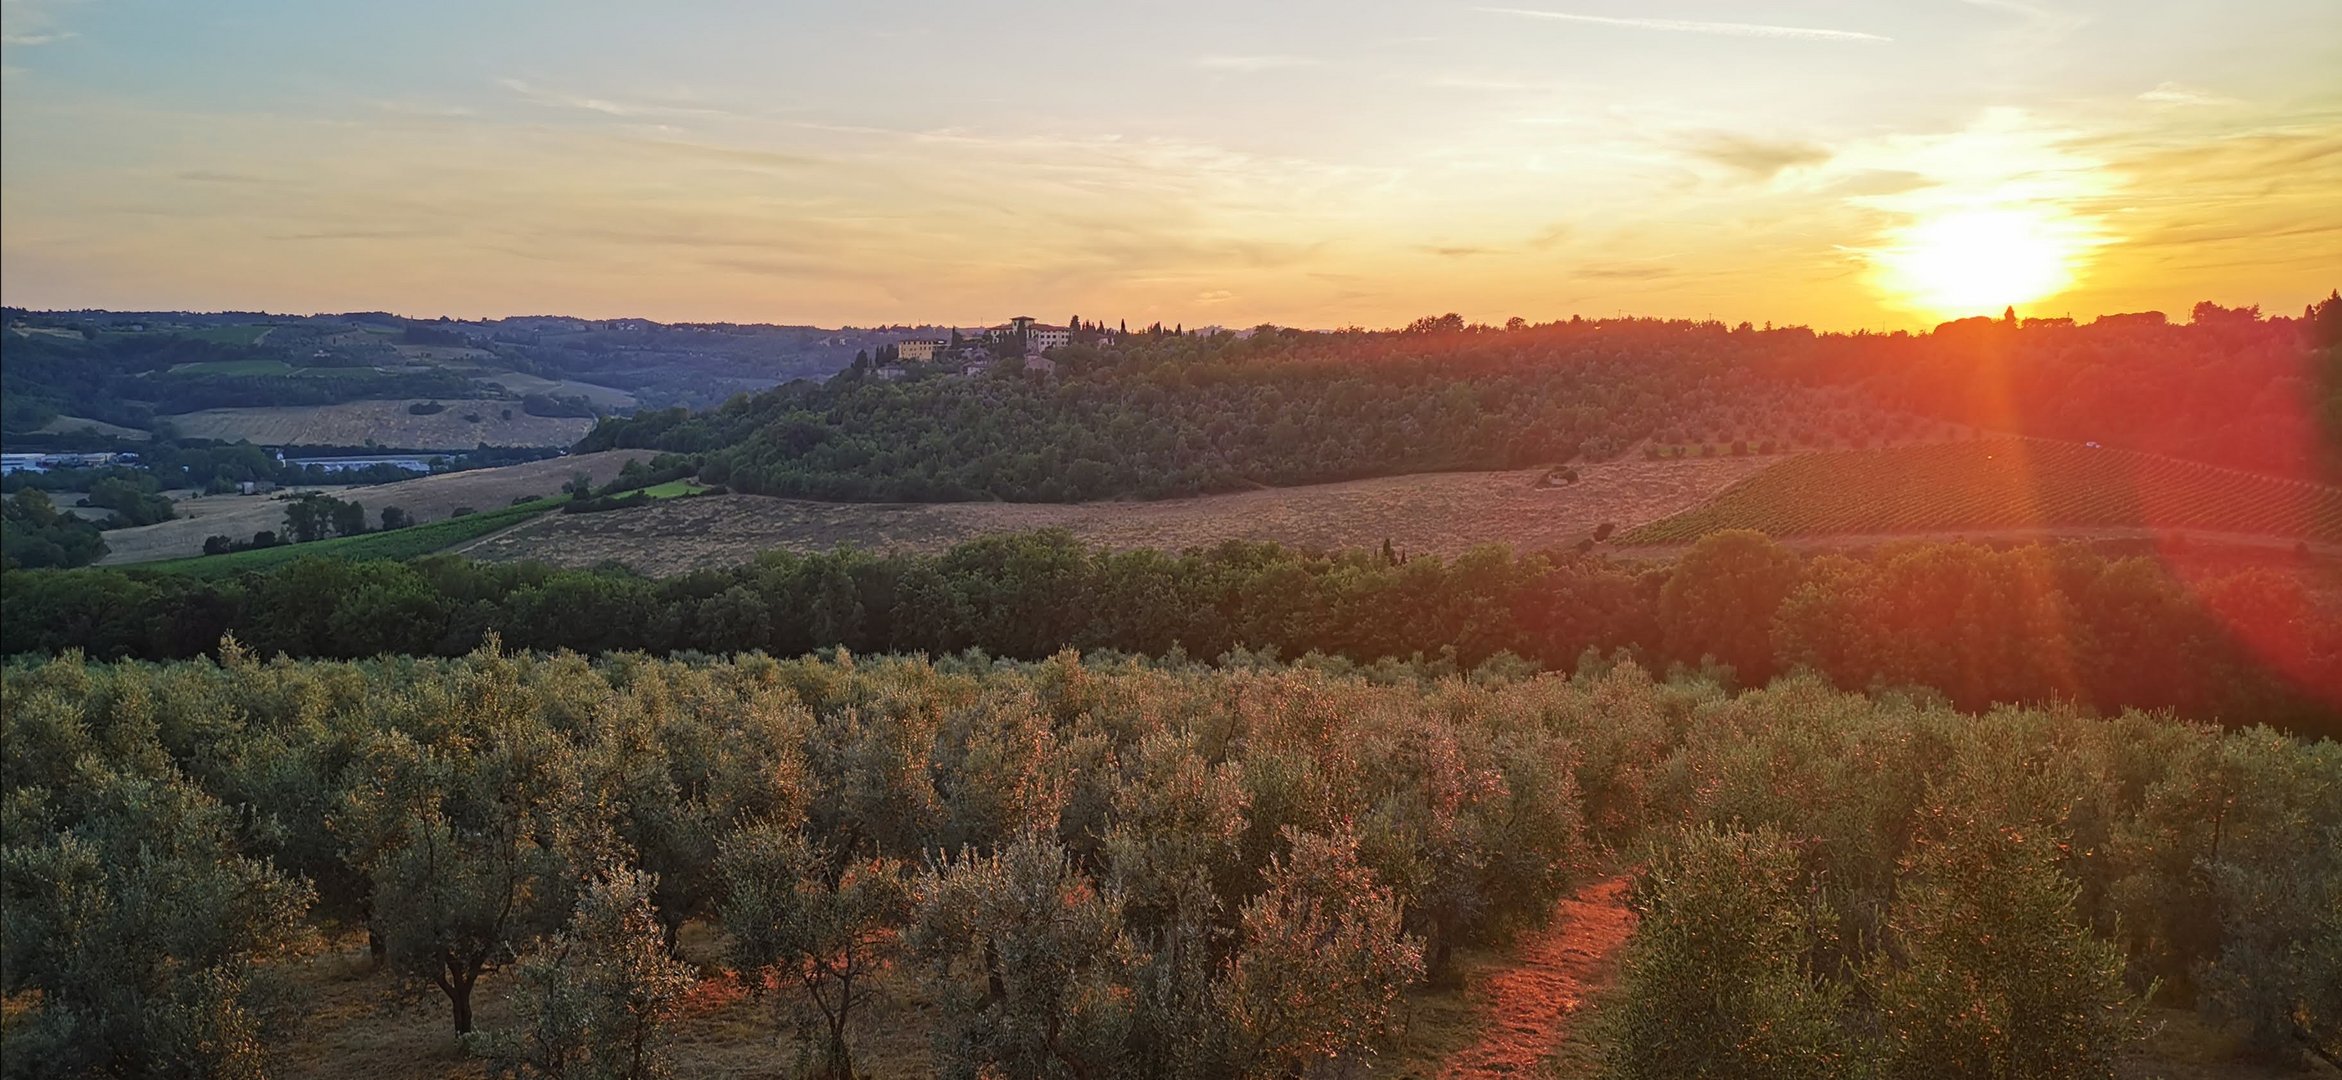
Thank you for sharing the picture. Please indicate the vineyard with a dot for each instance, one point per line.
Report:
(2004, 484)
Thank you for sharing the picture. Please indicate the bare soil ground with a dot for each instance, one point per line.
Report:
(387, 423)
(428, 498)
(1432, 513)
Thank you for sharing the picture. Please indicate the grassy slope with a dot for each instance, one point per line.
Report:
(2003, 484)
(407, 543)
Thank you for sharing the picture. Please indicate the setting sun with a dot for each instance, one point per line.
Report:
(1976, 261)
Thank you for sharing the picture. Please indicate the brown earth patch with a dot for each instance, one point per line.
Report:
(388, 423)
(1441, 513)
(1529, 1006)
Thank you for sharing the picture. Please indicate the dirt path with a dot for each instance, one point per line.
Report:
(1529, 1005)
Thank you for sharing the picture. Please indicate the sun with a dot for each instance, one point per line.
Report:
(1979, 261)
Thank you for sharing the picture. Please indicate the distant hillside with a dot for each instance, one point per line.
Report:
(1155, 416)
(2004, 484)
(128, 370)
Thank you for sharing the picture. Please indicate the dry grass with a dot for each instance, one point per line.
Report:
(428, 498)
(357, 1021)
(523, 383)
(388, 423)
(1436, 513)
(68, 425)
(360, 1022)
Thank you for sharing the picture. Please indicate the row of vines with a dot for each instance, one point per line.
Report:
(2004, 484)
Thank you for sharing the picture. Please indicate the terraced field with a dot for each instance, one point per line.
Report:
(2004, 484)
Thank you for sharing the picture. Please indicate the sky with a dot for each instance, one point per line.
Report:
(1837, 163)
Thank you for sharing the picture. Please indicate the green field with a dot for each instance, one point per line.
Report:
(408, 543)
(2003, 484)
(673, 489)
(235, 367)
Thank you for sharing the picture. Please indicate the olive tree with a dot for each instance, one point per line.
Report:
(1718, 979)
(591, 999)
(1322, 964)
(144, 931)
(1997, 976)
(482, 847)
(1027, 961)
(816, 930)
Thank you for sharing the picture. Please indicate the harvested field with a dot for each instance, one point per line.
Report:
(1434, 513)
(387, 423)
(428, 498)
(523, 383)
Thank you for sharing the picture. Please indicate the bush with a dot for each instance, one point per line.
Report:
(426, 408)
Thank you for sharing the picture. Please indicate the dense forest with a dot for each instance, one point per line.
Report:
(1976, 625)
(1099, 868)
(1161, 415)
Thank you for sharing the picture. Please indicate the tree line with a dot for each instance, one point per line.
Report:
(1106, 868)
(1977, 625)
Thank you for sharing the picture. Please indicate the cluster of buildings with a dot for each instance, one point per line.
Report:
(976, 350)
(413, 463)
(16, 463)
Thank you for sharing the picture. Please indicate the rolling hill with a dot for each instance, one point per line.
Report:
(2004, 484)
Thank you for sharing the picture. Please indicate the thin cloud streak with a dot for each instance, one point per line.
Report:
(1689, 26)
(1255, 63)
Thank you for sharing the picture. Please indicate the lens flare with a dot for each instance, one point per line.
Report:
(1979, 261)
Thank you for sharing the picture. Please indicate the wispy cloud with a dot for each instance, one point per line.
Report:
(29, 23)
(1761, 158)
(629, 110)
(1270, 62)
(2181, 94)
(2039, 20)
(1689, 26)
